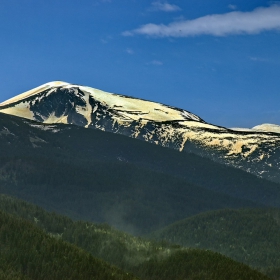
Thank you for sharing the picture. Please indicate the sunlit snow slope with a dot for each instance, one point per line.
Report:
(255, 151)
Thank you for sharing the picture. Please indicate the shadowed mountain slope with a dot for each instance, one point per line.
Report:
(105, 177)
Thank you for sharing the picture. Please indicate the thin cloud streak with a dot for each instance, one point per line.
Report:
(155, 62)
(254, 58)
(129, 51)
(164, 6)
(254, 22)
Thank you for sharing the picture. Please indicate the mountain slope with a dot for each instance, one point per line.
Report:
(105, 177)
(60, 102)
(29, 253)
(196, 264)
(147, 259)
(80, 147)
(101, 240)
(250, 236)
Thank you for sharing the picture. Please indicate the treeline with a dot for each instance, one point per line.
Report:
(251, 236)
(144, 258)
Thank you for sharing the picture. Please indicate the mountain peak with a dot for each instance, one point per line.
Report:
(84, 101)
(33, 92)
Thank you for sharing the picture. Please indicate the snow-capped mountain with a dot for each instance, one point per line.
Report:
(255, 151)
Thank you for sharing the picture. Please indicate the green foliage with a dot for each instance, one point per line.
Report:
(251, 236)
(197, 265)
(145, 258)
(101, 240)
(29, 253)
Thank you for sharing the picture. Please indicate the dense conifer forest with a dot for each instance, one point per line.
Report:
(200, 266)
(251, 236)
(29, 253)
(33, 245)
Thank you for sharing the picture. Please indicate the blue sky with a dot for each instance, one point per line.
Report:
(219, 59)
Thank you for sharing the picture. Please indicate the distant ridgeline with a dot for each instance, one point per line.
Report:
(36, 244)
(254, 151)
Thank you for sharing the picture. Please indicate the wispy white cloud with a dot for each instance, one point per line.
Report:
(129, 51)
(254, 22)
(155, 62)
(106, 40)
(258, 59)
(164, 6)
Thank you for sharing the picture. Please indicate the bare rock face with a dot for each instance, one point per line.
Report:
(256, 151)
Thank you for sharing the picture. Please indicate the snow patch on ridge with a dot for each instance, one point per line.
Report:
(22, 110)
(33, 92)
(133, 107)
(5, 131)
(267, 127)
(51, 128)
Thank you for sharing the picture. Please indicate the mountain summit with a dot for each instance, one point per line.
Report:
(255, 151)
(62, 102)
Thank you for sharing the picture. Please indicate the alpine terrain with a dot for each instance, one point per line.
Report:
(256, 151)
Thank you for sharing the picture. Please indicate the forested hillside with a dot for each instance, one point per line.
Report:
(29, 253)
(251, 236)
(144, 258)
(199, 265)
(101, 240)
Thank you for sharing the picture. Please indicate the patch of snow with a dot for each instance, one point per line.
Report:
(51, 128)
(34, 91)
(134, 108)
(267, 127)
(241, 129)
(6, 131)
